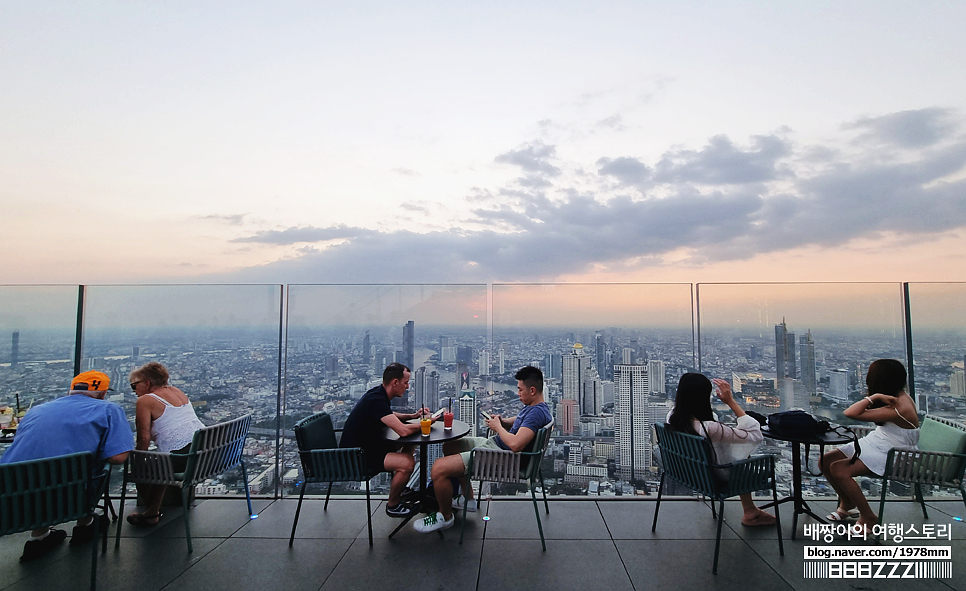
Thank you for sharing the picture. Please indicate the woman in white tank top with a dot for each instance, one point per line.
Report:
(163, 414)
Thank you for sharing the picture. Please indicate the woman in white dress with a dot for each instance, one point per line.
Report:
(894, 412)
(163, 414)
(692, 414)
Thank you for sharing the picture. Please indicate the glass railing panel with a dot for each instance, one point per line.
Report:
(937, 313)
(341, 337)
(611, 355)
(220, 345)
(37, 328)
(798, 345)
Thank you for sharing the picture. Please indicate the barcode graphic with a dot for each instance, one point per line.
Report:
(878, 570)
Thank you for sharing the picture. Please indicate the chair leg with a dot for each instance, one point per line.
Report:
(184, 506)
(922, 502)
(368, 511)
(657, 507)
(120, 509)
(717, 538)
(248, 495)
(882, 500)
(97, 524)
(326, 506)
(714, 514)
(543, 487)
(298, 509)
(536, 510)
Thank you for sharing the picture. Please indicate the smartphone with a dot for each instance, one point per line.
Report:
(439, 413)
(486, 415)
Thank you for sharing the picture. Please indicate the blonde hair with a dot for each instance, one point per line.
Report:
(154, 372)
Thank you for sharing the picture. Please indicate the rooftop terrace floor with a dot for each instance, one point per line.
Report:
(605, 544)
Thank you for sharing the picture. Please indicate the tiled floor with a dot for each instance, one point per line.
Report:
(590, 545)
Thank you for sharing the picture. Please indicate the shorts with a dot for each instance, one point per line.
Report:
(468, 444)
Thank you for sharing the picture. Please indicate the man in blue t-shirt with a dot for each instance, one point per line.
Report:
(515, 434)
(82, 421)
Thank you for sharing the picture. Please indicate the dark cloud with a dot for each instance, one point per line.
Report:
(627, 171)
(532, 158)
(906, 129)
(721, 162)
(722, 202)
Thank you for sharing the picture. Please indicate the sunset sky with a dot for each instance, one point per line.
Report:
(427, 142)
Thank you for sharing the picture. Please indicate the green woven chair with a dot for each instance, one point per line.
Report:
(41, 493)
(213, 450)
(939, 461)
(324, 461)
(500, 465)
(688, 460)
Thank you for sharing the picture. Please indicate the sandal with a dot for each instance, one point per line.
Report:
(839, 517)
(143, 520)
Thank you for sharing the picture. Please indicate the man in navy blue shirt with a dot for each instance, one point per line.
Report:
(364, 428)
(82, 421)
(515, 434)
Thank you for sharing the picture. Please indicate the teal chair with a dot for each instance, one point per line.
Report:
(41, 493)
(939, 461)
(213, 450)
(687, 459)
(500, 465)
(324, 461)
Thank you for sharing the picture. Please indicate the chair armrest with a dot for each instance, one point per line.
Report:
(925, 467)
(152, 467)
(334, 465)
(748, 475)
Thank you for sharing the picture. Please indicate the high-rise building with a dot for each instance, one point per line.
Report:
(502, 360)
(599, 353)
(484, 362)
(136, 352)
(15, 348)
(567, 416)
(591, 394)
(576, 367)
(366, 349)
(785, 352)
(464, 355)
(417, 385)
(838, 385)
(655, 376)
(957, 385)
(552, 366)
(409, 344)
(467, 411)
(806, 352)
(632, 425)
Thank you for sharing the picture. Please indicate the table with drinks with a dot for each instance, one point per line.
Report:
(431, 432)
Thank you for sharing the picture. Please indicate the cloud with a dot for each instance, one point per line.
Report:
(724, 201)
(532, 158)
(906, 129)
(231, 219)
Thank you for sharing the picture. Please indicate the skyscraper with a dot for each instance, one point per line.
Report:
(417, 386)
(15, 348)
(592, 394)
(784, 352)
(576, 367)
(567, 416)
(806, 352)
(632, 424)
(468, 411)
(599, 351)
(366, 349)
(484, 362)
(409, 344)
(838, 387)
(655, 376)
(552, 366)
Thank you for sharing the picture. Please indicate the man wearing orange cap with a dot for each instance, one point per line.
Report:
(82, 421)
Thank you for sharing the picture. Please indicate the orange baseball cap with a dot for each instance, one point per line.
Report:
(91, 381)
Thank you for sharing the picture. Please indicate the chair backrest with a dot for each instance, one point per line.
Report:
(217, 448)
(530, 465)
(40, 493)
(315, 432)
(938, 434)
(687, 459)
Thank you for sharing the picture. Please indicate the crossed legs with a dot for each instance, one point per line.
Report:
(841, 475)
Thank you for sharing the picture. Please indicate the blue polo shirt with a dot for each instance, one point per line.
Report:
(72, 424)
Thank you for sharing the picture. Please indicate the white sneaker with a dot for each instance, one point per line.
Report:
(433, 523)
(471, 504)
